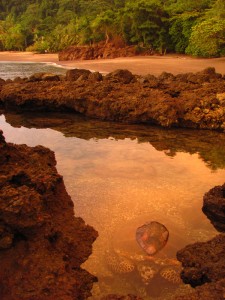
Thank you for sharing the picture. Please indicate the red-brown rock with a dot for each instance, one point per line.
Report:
(214, 207)
(42, 244)
(168, 101)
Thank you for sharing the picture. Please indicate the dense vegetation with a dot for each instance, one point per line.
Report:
(196, 27)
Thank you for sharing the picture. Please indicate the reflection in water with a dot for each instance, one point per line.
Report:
(122, 176)
(208, 144)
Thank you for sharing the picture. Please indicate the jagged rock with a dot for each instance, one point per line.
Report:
(75, 74)
(8, 80)
(209, 291)
(101, 50)
(166, 76)
(42, 244)
(214, 206)
(6, 237)
(18, 79)
(203, 262)
(2, 81)
(95, 76)
(221, 99)
(119, 297)
(44, 76)
(123, 76)
(169, 102)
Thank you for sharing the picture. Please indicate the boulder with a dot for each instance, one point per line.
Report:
(74, 74)
(95, 76)
(18, 79)
(214, 206)
(42, 243)
(209, 291)
(120, 297)
(44, 76)
(203, 261)
(122, 76)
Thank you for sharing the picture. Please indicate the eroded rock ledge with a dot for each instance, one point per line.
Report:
(102, 50)
(42, 244)
(203, 263)
(185, 100)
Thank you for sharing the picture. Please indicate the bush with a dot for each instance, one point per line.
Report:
(207, 38)
(39, 46)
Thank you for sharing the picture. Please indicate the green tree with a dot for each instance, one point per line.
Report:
(104, 24)
(180, 30)
(145, 22)
(207, 38)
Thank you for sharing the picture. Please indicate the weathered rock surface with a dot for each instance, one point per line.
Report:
(204, 263)
(185, 100)
(118, 297)
(42, 244)
(101, 50)
(209, 291)
(214, 207)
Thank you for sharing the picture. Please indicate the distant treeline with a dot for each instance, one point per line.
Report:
(195, 27)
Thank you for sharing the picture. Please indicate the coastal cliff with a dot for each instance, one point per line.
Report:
(96, 51)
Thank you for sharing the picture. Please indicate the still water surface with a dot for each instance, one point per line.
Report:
(121, 177)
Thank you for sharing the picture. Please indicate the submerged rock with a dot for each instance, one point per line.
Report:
(152, 237)
(118, 263)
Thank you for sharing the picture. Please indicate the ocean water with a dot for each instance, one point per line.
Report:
(123, 176)
(11, 70)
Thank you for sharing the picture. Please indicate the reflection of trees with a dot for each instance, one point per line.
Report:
(210, 145)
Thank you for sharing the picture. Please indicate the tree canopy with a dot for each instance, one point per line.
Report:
(181, 26)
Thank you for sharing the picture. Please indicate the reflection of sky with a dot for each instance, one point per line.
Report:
(119, 185)
(122, 169)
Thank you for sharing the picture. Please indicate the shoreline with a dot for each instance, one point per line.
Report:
(191, 100)
(167, 101)
(139, 65)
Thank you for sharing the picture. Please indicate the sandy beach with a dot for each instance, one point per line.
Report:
(140, 65)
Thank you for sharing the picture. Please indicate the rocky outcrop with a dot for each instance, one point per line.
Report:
(42, 244)
(185, 100)
(101, 50)
(118, 297)
(203, 263)
(209, 291)
(214, 207)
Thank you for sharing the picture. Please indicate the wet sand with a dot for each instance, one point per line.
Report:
(141, 65)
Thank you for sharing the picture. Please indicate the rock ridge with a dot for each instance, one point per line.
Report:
(185, 100)
(42, 244)
(203, 262)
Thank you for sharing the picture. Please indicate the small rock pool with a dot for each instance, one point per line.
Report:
(123, 176)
